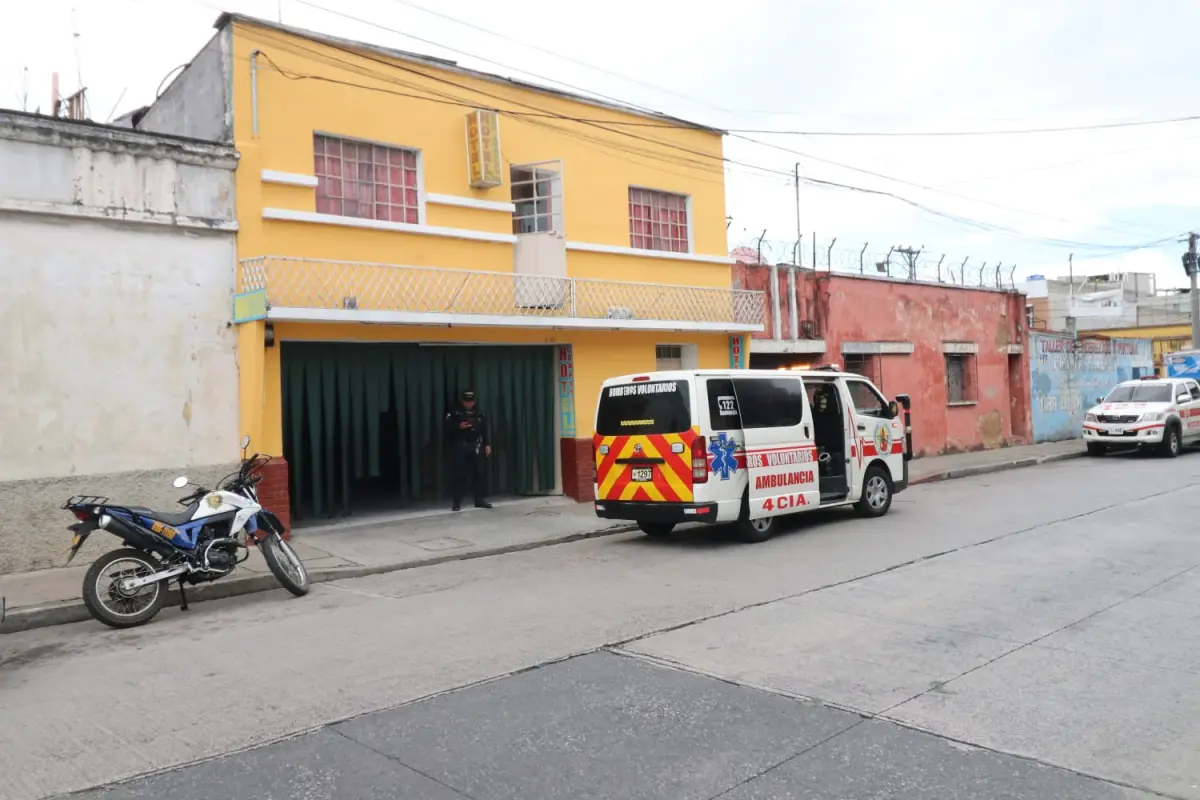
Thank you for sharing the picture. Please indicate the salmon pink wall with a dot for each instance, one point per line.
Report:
(848, 308)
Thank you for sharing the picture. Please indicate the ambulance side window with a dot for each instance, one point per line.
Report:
(866, 400)
(723, 412)
(770, 402)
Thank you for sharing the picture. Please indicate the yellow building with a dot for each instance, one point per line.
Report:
(409, 228)
(1164, 339)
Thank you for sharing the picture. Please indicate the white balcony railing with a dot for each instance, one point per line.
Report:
(387, 289)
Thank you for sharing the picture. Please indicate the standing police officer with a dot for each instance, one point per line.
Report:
(470, 446)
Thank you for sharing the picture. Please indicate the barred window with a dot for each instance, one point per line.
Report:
(658, 221)
(370, 181)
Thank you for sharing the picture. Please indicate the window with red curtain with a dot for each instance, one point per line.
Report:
(658, 221)
(360, 179)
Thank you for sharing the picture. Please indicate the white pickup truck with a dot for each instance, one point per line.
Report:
(1155, 413)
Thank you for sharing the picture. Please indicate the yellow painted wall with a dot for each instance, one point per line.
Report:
(362, 96)
(1165, 339)
(1146, 332)
(598, 355)
(356, 97)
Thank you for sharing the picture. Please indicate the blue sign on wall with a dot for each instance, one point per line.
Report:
(1067, 376)
(1184, 364)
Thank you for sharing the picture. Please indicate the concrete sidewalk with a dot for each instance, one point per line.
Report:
(355, 548)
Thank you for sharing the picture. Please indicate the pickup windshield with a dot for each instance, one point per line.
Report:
(1142, 393)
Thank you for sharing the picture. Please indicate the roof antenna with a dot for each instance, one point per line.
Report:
(279, 11)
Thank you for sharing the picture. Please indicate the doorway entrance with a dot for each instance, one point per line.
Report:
(362, 423)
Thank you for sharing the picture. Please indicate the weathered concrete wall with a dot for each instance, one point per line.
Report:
(1066, 377)
(199, 102)
(903, 331)
(119, 257)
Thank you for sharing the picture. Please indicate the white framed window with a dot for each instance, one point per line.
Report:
(366, 180)
(676, 356)
(668, 356)
(659, 221)
(537, 195)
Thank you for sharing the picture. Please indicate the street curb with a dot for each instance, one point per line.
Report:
(68, 611)
(986, 469)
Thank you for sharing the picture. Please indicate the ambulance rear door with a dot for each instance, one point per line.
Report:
(781, 458)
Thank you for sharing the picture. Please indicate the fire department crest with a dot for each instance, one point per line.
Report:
(883, 440)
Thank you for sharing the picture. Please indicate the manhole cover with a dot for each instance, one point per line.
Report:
(443, 543)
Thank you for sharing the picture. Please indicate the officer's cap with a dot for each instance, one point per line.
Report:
(468, 395)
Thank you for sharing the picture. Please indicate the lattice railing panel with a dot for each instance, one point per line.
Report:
(309, 283)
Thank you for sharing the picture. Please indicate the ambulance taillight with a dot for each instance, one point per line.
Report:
(699, 461)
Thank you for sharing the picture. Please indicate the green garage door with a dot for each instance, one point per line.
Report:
(362, 423)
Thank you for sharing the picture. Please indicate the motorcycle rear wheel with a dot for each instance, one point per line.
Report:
(118, 609)
(284, 564)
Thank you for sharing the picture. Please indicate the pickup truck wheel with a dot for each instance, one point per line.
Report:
(1172, 442)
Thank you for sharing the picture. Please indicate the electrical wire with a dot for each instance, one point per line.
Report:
(691, 162)
(757, 131)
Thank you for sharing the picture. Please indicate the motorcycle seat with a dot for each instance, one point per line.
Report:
(172, 518)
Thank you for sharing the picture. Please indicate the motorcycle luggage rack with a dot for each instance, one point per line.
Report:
(86, 500)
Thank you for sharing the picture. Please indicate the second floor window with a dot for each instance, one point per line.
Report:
(537, 195)
(370, 181)
(658, 221)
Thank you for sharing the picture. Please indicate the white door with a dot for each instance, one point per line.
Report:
(1189, 412)
(876, 434)
(781, 458)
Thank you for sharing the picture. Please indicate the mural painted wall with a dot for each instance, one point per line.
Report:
(1067, 376)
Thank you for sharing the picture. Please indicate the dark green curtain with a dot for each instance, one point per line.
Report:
(339, 399)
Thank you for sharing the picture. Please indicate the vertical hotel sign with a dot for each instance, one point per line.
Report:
(737, 352)
(483, 149)
(566, 390)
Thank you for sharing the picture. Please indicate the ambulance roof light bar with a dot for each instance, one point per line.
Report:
(640, 378)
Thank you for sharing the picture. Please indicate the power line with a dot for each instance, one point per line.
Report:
(757, 131)
(921, 185)
(690, 162)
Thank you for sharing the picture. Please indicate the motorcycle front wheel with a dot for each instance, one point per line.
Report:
(284, 564)
(109, 602)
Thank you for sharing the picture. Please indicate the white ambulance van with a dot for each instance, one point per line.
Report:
(746, 446)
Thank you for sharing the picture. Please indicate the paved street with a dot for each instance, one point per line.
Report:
(1028, 634)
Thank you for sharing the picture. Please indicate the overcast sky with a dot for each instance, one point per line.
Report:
(795, 65)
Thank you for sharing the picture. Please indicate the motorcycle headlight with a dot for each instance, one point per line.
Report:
(1151, 416)
(1089, 418)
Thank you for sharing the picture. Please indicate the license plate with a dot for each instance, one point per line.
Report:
(1118, 431)
(643, 474)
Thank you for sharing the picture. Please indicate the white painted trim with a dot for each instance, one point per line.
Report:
(960, 348)
(1014, 349)
(469, 202)
(877, 348)
(618, 250)
(16, 206)
(787, 346)
(283, 314)
(292, 215)
(288, 178)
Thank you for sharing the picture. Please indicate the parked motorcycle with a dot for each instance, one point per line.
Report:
(204, 542)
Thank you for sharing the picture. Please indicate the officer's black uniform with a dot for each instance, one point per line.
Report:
(469, 447)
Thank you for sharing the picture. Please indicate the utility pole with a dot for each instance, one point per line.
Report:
(799, 233)
(1190, 267)
(911, 256)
